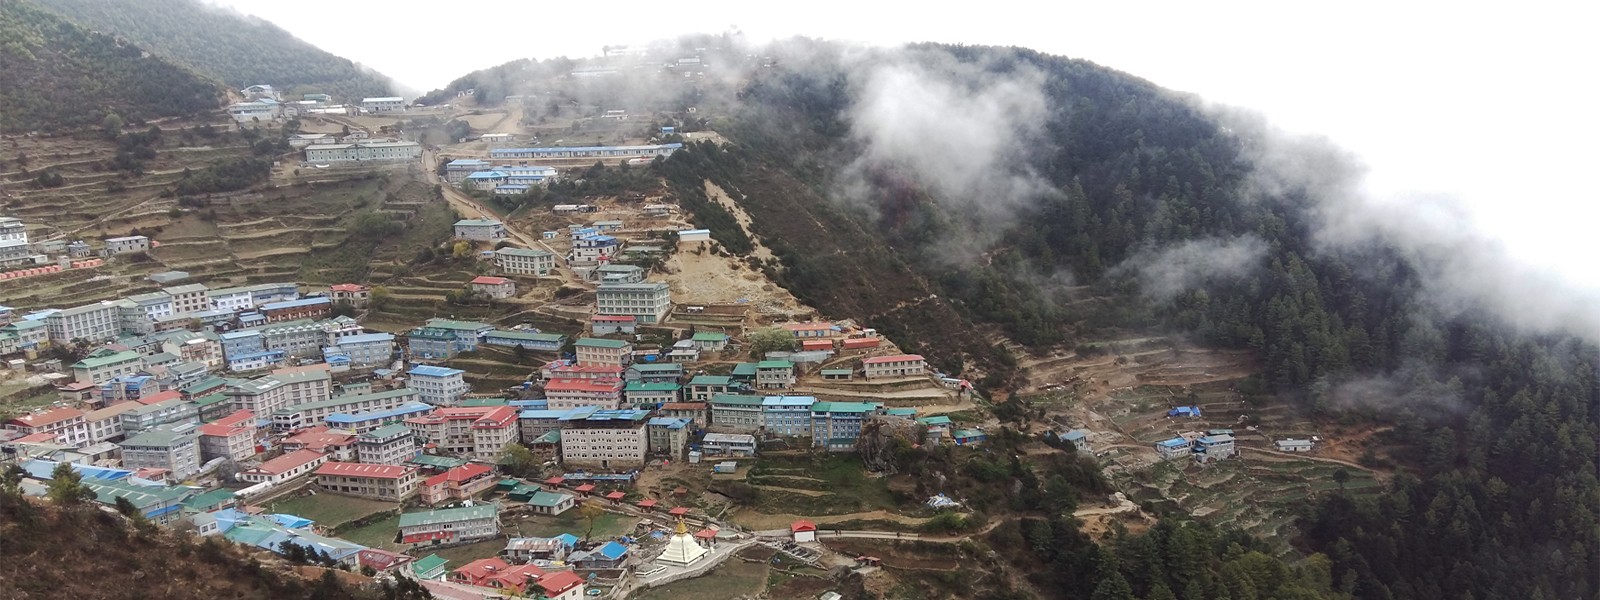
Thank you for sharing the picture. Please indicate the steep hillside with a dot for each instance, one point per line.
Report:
(56, 75)
(1065, 204)
(84, 552)
(234, 48)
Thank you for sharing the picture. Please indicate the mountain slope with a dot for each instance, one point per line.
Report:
(1054, 200)
(237, 49)
(54, 75)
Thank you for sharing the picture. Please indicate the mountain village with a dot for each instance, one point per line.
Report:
(275, 415)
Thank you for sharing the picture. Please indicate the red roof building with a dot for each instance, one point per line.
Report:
(380, 482)
(564, 394)
(495, 287)
(338, 445)
(861, 343)
(382, 560)
(584, 489)
(459, 483)
(803, 531)
(616, 496)
(648, 504)
(286, 467)
(678, 511)
(816, 345)
(499, 574)
(562, 585)
(899, 365)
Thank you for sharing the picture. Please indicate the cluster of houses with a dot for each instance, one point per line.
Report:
(500, 180)
(1204, 447)
(264, 104)
(17, 254)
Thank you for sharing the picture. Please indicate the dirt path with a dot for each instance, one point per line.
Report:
(1321, 459)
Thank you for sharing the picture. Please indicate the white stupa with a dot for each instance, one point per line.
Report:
(682, 549)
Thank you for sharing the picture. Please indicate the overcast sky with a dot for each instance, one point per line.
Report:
(1492, 103)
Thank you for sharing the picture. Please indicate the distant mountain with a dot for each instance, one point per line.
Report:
(239, 50)
(54, 75)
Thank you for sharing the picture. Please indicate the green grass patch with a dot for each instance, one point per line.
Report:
(330, 510)
(377, 534)
(609, 525)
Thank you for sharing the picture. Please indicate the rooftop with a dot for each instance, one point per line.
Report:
(889, 359)
(449, 515)
(600, 343)
(433, 371)
(344, 469)
(478, 223)
(288, 462)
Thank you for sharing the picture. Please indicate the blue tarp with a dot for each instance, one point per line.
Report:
(1184, 411)
(612, 550)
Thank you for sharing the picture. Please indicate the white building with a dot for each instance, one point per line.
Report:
(438, 385)
(482, 230)
(606, 439)
(92, 322)
(264, 111)
(264, 395)
(13, 241)
(585, 152)
(163, 448)
(126, 244)
(494, 287)
(363, 151)
(383, 104)
(523, 261)
(902, 365)
(648, 302)
(188, 299)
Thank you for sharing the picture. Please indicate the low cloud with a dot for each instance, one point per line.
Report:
(1163, 274)
(962, 132)
(1464, 269)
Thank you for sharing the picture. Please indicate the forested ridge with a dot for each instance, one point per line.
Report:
(1496, 429)
(231, 47)
(56, 75)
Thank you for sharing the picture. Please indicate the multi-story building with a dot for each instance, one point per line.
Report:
(535, 423)
(163, 448)
(639, 393)
(899, 365)
(693, 411)
(392, 444)
(363, 152)
(605, 439)
(105, 424)
(572, 393)
(160, 505)
(188, 299)
(457, 170)
(566, 152)
(92, 323)
(566, 369)
(364, 351)
(728, 444)
(618, 274)
(593, 249)
(303, 308)
(498, 288)
(458, 483)
(13, 241)
(654, 372)
(364, 421)
(200, 349)
(338, 445)
(175, 411)
(441, 386)
(232, 437)
(297, 416)
(383, 104)
(787, 415)
(481, 230)
(450, 525)
(231, 299)
(19, 336)
(105, 364)
(837, 425)
(296, 339)
(648, 302)
(479, 432)
(264, 395)
(439, 339)
(601, 352)
(542, 342)
(523, 261)
(394, 483)
(703, 387)
(668, 436)
(126, 244)
(775, 374)
(354, 294)
(67, 424)
(292, 464)
(155, 305)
